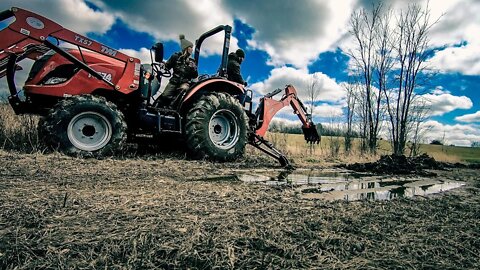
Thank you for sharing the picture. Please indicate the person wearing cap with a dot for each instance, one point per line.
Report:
(184, 70)
(233, 66)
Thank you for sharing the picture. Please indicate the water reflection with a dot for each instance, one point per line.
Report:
(334, 185)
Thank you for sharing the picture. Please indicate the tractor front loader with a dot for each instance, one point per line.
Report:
(91, 98)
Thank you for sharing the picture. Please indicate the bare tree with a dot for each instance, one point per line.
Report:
(334, 142)
(352, 90)
(390, 59)
(314, 89)
(365, 27)
(411, 44)
(416, 129)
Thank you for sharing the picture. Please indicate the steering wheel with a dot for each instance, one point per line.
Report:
(159, 68)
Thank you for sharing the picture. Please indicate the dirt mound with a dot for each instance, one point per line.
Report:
(400, 164)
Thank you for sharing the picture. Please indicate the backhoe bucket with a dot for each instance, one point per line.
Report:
(311, 134)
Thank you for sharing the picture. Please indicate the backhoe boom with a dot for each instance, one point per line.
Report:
(267, 109)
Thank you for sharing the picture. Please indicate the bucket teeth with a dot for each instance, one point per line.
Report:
(311, 134)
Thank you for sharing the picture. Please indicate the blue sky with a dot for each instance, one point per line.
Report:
(286, 42)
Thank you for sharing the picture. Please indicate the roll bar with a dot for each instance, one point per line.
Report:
(222, 70)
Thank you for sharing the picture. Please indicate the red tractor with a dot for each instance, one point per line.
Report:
(91, 96)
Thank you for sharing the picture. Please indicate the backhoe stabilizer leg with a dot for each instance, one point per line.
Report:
(265, 146)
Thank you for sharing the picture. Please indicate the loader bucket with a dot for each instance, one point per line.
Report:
(311, 134)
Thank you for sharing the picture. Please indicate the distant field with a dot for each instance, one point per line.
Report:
(295, 147)
(465, 154)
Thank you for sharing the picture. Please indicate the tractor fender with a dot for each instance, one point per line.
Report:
(210, 85)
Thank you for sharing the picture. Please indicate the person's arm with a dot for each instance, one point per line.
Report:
(192, 69)
(189, 69)
(171, 62)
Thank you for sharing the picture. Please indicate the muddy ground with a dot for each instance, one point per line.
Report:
(58, 212)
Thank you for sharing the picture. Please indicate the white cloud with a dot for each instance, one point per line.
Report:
(460, 23)
(72, 14)
(469, 118)
(440, 91)
(285, 122)
(439, 104)
(464, 59)
(143, 54)
(327, 110)
(165, 20)
(460, 135)
(454, 22)
(279, 77)
(447, 17)
(293, 32)
(290, 32)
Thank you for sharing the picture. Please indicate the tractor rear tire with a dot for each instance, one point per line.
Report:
(216, 128)
(84, 125)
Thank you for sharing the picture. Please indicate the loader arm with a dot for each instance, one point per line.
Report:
(267, 109)
(28, 37)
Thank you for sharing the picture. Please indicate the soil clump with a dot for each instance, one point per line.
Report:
(402, 165)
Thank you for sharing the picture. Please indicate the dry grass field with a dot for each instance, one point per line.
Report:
(59, 212)
(295, 147)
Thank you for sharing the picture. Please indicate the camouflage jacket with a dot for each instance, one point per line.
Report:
(184, 68)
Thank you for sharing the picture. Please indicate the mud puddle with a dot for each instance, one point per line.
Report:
(343, 185)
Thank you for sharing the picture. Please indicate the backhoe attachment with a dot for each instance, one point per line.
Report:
(267, 109)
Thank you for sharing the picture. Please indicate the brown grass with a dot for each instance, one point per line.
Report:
(19, 133)
(66, 213)
(329, 151)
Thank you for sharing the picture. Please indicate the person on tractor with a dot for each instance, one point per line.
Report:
(235, 59)
(184, 70)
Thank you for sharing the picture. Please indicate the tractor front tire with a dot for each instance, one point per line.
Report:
(84, 125)
(216, 128)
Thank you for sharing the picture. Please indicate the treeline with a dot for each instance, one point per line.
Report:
(297, 129)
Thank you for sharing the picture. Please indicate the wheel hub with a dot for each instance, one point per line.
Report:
(89, 131)
(224, 131)
(217, 129)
